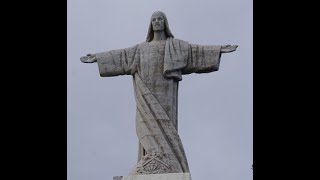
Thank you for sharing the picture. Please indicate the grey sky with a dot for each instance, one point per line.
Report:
(215, 109)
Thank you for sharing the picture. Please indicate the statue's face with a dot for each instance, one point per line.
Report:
(157, 22)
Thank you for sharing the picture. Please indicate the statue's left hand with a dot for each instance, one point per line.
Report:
(228, 48)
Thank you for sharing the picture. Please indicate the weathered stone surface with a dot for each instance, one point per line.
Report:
(117, 177)
(171, 176)
(157, 66)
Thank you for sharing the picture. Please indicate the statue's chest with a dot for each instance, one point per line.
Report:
(152, 59)
(157, 49)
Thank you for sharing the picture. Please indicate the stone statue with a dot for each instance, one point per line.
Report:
(157, 66)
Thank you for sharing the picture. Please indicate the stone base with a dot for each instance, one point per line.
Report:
(170, 176)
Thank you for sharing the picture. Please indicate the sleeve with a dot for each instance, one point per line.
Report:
(118, 62)
(202, 59)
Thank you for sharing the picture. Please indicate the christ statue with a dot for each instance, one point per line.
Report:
(157, 66)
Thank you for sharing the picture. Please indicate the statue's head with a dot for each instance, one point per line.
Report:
(158, 23)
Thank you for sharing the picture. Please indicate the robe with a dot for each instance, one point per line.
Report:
(157, 67)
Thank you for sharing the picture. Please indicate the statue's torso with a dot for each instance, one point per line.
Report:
(151, 73)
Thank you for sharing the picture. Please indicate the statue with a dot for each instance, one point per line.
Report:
(157, 66)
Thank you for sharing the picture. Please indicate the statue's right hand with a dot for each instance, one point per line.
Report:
(90, 58)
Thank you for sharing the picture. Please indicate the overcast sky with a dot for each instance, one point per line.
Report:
(215, 109)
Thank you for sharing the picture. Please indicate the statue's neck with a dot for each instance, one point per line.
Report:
(158, 36)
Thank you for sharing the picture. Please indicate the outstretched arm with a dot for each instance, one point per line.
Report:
(115, 62)
(90, 58)
(228, 48)
(205, 58)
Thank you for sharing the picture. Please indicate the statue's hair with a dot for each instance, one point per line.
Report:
(166, 28)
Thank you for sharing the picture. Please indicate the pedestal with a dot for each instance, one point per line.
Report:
(170, 176)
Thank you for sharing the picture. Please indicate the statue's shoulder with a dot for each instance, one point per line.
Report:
(181, 43)
(143, 44)
(179, 40)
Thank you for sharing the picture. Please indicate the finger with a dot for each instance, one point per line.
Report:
(84, 59)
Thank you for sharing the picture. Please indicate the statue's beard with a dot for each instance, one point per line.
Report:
(158, 28)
